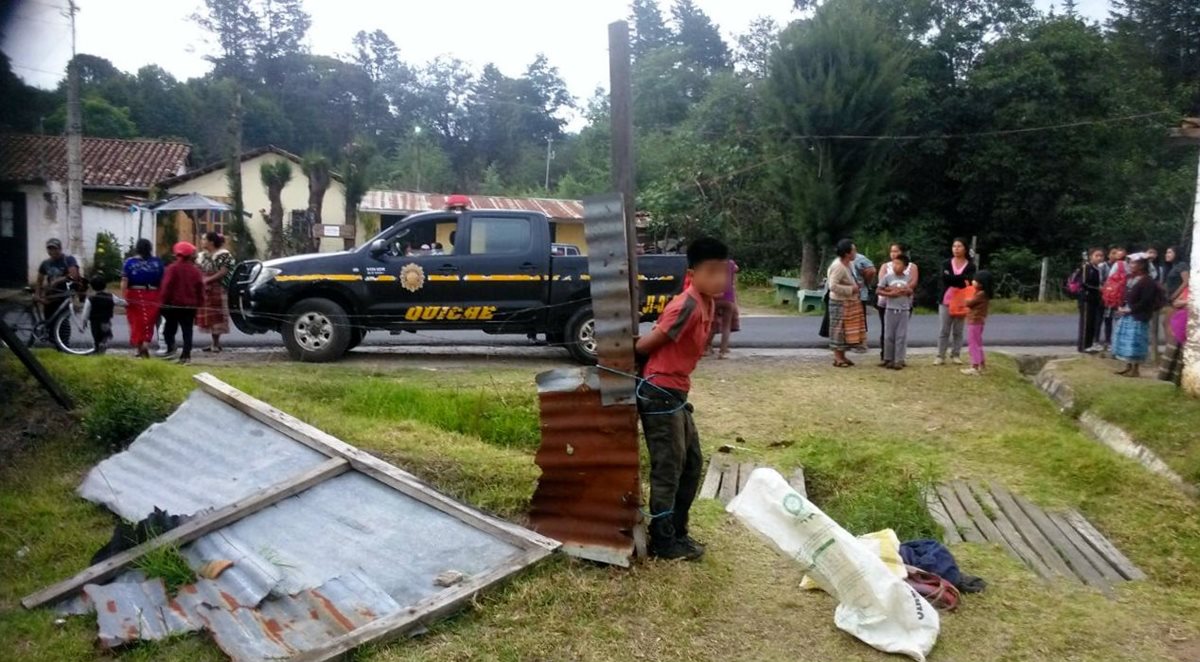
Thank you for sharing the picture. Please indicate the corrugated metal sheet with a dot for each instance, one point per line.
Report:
(309, 568)
(408, 202)
(205, 455)
(613, 289)
(589, 494)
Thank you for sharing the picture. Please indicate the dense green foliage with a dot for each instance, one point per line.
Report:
(1032, 131)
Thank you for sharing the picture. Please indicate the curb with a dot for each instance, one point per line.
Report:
(1109, 434)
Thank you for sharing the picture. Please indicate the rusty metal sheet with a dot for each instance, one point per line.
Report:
(129, 611)
(589, 493)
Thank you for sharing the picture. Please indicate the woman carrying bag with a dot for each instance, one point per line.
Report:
(957, 274)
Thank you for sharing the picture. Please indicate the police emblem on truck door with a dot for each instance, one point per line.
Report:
(412, 277)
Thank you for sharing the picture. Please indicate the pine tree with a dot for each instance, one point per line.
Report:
(699, 37)
(650, 31)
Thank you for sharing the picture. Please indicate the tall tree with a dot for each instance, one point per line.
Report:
(699, 37)
(280, 38)
(355, 158)
(544, 95)
(235, 25)
(836, 74)
(275, 175)
(316, 168)
(754, 46)
(650, 31)
(1166, 35)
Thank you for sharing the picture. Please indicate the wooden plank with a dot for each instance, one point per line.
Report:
(1015, 541)
(1079, 565)
(962, 521)
(797, 482)
(35, 367)
(712, 479)
(190, 530)
(369, 465)
(744, 471)
(1030, 532)
(729, 480)
(424, 612)
(938, 512)
(989, 530)
(1108, 573)
(1105, 548)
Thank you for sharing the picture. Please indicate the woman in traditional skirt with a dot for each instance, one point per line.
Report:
(847, 319)
(1131, 340)
(140, 277)
(216, 263)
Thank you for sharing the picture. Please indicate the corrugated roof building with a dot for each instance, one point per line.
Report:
(408, 202)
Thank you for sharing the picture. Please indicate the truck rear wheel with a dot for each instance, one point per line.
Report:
(317, 331)
(581, 336)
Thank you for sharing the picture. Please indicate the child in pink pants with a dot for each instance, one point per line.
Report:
(977, 312)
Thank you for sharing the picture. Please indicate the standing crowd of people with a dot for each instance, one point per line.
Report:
(1125, 300)
(963, 296)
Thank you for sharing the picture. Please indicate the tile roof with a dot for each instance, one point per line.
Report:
(408, 202)
(108, 163)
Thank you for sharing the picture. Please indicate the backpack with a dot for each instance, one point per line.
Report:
(1075, 283)
(1114, 288)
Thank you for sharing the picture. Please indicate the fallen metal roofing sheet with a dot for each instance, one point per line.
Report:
(305, 570)
(205, 455)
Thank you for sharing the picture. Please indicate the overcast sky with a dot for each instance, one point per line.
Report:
(572, 33)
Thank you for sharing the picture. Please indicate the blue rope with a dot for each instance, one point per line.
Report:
(637, 392)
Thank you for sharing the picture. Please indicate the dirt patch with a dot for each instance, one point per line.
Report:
(31, 415)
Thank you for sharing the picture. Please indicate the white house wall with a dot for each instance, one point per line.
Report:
(45, 218)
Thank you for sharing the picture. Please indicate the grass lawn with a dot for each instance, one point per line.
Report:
(761, 301)
(1158, 415)
(868, 439)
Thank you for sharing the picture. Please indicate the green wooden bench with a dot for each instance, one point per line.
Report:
(787, 290)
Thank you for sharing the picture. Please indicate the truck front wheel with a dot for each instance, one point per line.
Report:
(317, 331)
(581, 336)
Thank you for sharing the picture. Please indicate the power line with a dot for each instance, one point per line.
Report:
(40, 71)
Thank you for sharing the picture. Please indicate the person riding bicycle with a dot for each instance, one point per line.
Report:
(54, 273)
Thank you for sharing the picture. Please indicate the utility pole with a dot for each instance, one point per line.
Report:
(549, 155)
(417, 133)
(74, 150)
(1191, 348)
(621, 103)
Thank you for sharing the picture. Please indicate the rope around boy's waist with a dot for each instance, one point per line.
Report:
(641, 383)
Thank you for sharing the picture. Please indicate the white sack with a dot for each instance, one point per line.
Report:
(874, 606)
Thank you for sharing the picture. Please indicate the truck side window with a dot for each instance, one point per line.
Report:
(500, 235)
(432, 237)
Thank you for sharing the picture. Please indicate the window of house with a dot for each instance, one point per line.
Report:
(498, 235)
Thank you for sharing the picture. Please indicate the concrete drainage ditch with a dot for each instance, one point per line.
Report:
(1043, 373)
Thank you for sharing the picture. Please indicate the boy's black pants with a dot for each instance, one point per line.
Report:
(182, 319)
(675, 460)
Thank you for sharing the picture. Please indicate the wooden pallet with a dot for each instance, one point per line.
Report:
(1052, 544)
(726, 477)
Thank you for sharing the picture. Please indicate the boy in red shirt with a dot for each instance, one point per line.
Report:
(182, 292)
(671, 351)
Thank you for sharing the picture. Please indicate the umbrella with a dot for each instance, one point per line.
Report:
(192, 202)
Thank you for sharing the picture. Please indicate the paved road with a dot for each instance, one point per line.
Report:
(757, 333)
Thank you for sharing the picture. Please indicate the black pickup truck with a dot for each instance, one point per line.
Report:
(488, 270)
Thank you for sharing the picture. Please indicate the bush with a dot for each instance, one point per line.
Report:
(106, 261)
(117, 415)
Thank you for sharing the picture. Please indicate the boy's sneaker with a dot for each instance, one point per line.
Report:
(184, 360)
(167, 353)
(939, 361)
(972, 372)
(674, 549)
(693, 543)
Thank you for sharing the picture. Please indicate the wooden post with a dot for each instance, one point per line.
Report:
(1044, 281)
(1191, 349)
(621, 112)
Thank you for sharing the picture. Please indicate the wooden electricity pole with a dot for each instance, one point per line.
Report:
(621, 114)
(74, 150)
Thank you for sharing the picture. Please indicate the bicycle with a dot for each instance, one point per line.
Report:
(68, 329)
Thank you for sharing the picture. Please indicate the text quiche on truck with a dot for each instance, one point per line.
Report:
(497, 271)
